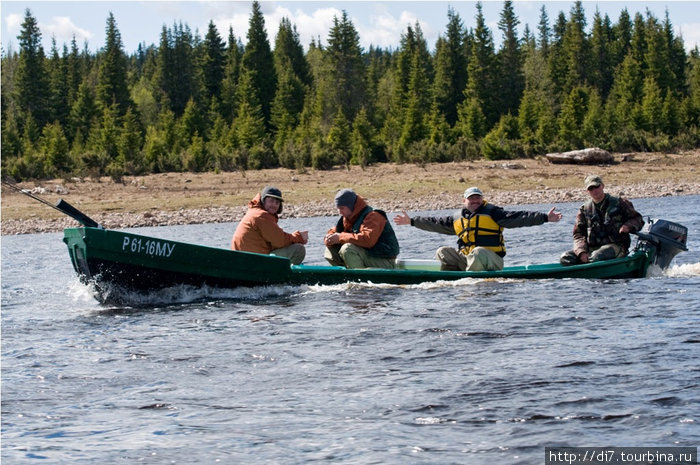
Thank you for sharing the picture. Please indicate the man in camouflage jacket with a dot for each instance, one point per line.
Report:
(603, 226)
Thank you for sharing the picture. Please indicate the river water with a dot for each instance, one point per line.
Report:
(467, 372)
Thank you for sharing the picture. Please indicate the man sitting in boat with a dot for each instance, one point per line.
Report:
(603, 226)
(258, 230)
(363, 238)
(479, 228)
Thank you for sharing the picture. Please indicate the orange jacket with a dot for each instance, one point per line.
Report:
(258, 231)
(371, 228)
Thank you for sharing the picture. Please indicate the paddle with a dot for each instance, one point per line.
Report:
(62, 206)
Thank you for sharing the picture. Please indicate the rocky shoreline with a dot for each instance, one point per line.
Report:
(224, 214)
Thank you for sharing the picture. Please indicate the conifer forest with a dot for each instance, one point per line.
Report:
(208, 103)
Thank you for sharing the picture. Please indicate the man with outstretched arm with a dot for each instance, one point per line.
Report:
(479, 229)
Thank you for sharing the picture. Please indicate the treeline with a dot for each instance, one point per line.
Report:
(200, 104)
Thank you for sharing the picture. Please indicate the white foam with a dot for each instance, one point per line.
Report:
(683, 271)
(183, 294)
(80, 292)
(370, 285)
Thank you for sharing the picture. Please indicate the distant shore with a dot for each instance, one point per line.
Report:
(187, 198)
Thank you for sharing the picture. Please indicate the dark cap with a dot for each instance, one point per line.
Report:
(593, 181)
(345, 198)
(273, 192)
(270, 191)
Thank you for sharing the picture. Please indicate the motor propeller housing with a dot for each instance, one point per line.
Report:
(668, 237)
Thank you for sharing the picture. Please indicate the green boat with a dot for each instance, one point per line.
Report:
(115, 261)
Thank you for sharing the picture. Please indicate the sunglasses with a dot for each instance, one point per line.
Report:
(592, 188)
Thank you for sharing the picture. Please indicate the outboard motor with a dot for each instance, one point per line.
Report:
(669, 239)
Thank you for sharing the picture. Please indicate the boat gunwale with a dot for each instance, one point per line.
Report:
(628, 266)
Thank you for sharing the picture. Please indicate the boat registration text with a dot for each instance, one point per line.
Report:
(148, 247)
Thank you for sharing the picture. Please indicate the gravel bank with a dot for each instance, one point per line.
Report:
(437, 202)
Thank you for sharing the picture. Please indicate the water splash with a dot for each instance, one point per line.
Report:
(183, 294)
(82, 293)
(422, 286)
(687, 270)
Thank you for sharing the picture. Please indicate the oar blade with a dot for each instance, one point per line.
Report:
(76, 214)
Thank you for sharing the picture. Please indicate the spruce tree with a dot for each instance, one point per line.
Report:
(677, 58)
(576, 49)
(544, 32)
(472, 123)
(593, 132)
(362, 143)
(293, 80)
(601, 72)
(482, 71)
(191, 123)
(573, 112)
(258, 62)
(557, 56)
(658, 56)
(82, 113)
(450, 68)
(31, 85)
(638, 44)
(234, 52)
(670, 115)
(58, 80)
(212, 61)
(621, 38)
(55, 151)
(249, 125)
(417, 100)
(346, 68)
(174, 73)
(74, 72)
(652, 106)
(338, 139)
(626, 93)
(112, 79)
(129, 145)
(287, 105)
(290, 53)
(378, 63)
(510, 80)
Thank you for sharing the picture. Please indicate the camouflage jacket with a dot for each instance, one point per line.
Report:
(597, 225)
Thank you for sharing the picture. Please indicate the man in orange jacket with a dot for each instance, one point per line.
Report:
(258, 230)
(362, 238)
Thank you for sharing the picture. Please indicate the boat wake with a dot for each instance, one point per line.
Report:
(422, 286)
(181, 294)
(687, 270)
(184, 294)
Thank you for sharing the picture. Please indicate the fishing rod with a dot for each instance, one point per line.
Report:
(62, 206)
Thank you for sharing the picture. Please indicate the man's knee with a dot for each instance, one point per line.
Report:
(298, 253)
(607, 252)
(569, 258)
(482, 259)
(450, 259)
(353, 256)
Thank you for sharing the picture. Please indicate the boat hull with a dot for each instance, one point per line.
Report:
(142, 263)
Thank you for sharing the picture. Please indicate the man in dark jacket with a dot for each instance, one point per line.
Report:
(479, 228)
(603, 226)
(362, 238)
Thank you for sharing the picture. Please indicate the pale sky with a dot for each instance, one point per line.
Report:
(378, 23)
